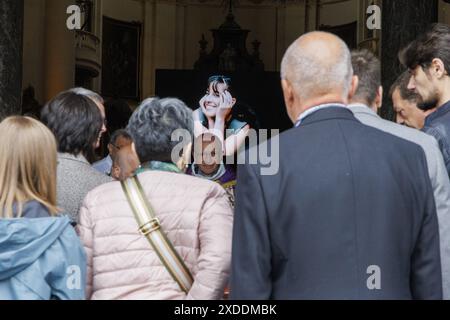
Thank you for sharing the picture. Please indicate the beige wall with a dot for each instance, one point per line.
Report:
(171, 31)
(127, 10)
(339, 13)
(59, 49)
(33, 47)
(49, 52)
(444, 12)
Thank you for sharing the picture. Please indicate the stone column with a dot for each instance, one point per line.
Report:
(11, 35)
(59, 55)
(402, 22)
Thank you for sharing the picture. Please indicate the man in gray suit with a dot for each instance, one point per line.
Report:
(364, 105)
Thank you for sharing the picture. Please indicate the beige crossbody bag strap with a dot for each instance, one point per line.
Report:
(150, 227)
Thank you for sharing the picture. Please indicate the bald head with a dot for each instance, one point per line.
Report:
(318, 64)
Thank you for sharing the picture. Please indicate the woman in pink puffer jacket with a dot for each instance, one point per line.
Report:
(195, 214)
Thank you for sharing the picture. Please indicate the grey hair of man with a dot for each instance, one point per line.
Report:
(316, 66)
(88, 93)
(153, 124)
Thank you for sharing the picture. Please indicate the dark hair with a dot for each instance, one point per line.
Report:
(368, 69)
(241, 111)
(88, 93)
(401, 83)
(120, 133)
(75, 120)
(152, 125)
(216, 79)
(435, 43)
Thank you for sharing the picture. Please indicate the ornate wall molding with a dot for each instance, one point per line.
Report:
(223, 3)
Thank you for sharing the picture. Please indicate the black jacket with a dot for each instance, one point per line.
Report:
(437, 125)
(348, 199)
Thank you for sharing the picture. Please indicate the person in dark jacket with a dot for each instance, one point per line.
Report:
(41, 257)
(428, 60)
(350, 214)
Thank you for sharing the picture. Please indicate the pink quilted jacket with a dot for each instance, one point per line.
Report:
(197, 218)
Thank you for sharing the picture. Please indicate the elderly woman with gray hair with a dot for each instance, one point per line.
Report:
(193, 215)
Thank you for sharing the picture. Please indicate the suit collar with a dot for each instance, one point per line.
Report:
(67, 156)
(330, 113)
(358, 108)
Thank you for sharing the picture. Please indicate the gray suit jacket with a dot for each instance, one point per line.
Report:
(438, 176)
(75, 178)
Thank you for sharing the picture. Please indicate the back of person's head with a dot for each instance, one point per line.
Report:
(433, 44)
(27, 165)
(318, 64)
(367, 68)
(119, 140)
(125, 162)
(153, 124)
(121, 135)
(401, 84)
(88, 93)
(76, 122)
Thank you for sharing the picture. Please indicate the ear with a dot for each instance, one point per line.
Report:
(353, 87)
(438, 68)
(289, 97)
(115, 172)
(110, 148)
(379, 97)
(233, 102)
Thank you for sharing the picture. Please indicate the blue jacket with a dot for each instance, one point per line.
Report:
(40, 259)
(437, 125)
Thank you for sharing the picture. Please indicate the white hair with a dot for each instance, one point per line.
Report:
(88, 93)
(312, 76)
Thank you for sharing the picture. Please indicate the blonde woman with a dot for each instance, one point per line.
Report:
(41, 256)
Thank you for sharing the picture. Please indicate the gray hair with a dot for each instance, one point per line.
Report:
(153, 124)
(311, 75)
(88, 93)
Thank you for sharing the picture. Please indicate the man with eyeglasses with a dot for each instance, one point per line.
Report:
(119, 140)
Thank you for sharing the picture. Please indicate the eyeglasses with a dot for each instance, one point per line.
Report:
(115, 146)
(220, 78)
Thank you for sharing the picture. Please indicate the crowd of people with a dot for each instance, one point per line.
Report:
(359, 209)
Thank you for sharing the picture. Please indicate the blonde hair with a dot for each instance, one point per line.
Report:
(27, 165)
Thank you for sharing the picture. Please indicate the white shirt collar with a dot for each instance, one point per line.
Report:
(317, 108)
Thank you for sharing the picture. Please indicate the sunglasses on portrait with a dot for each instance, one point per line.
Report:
(220, 78)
